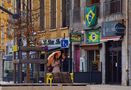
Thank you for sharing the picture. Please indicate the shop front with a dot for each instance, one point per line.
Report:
(112, 36)
(113, 62)
(53, 45)
(89, 67)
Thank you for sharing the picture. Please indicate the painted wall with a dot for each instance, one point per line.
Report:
(48, 33)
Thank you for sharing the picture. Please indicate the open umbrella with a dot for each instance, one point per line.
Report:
(51, 57)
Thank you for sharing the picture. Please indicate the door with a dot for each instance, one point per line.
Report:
(113, 63)
(77, 59)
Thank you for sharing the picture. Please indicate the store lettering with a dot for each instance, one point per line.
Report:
(51, 42)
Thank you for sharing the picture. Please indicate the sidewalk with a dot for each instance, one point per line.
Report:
(109, 87)
(60, 87)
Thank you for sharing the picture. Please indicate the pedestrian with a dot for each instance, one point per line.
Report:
(56, 64)
(64, 63)
(56, 70)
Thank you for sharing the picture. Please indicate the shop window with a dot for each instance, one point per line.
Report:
(93, 60)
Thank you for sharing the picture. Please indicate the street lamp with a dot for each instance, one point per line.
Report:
(15, 16)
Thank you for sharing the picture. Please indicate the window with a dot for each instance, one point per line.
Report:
(115, 6)
(23, 5)
(41, 14)
(76, 11)
(95, 2)
(65, 13)
(53, 14)
(93, 60)
(112, 7)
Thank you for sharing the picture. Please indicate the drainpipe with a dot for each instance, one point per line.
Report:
(127, 37)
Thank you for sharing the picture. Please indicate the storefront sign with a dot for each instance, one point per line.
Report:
(93, 37)
(52, 41)
(112, 28)
(76, 37)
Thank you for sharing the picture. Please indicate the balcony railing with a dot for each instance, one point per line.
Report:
(112, 7)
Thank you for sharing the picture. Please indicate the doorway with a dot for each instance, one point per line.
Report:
(76, 58)
(113, 62)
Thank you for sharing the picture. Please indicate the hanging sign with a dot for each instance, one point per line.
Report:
(76, 37)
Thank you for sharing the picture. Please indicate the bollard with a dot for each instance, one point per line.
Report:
(49, 78)
(72, 76)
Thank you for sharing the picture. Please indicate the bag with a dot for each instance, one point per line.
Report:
(50, 68)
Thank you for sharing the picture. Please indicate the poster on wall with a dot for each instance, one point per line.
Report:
(92, 37)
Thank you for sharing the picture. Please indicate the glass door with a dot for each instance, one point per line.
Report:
(113, 63)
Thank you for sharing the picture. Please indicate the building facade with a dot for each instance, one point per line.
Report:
(5, 33)
(53, 23)
(111, 56)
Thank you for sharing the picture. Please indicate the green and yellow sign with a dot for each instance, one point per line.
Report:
(76, 37)
(90, 16)
(93, 37)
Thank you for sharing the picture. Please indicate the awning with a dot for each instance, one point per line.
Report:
(91, 46)
(112, 38)
(50, 47)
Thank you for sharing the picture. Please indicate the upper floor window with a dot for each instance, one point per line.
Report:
(41, 14)
(94, 2)
(65, 13)
(112, 7)
(53, 14)
(76, 11)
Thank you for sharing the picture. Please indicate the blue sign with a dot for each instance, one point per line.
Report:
(64, 43)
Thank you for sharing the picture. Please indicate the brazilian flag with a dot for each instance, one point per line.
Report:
(93, 37)
(90, 16)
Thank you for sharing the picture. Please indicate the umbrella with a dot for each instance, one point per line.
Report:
(51, 57)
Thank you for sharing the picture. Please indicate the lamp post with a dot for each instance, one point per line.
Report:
(127, 46)
(71, 61)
